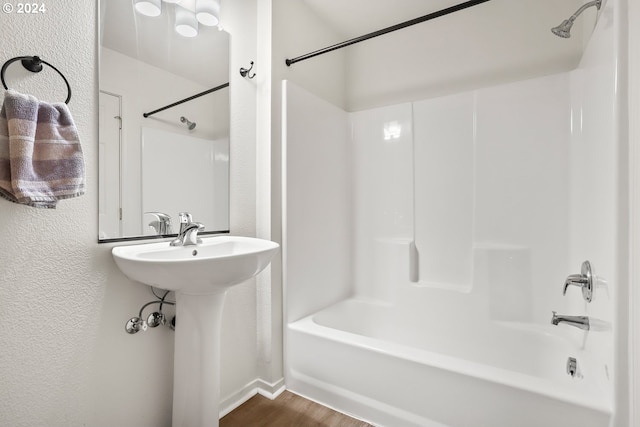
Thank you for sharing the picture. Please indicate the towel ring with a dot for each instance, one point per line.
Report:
(33, 64)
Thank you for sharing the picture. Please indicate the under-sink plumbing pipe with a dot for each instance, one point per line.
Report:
(157, 318)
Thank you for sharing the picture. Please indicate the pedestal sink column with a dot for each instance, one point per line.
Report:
(196, 377)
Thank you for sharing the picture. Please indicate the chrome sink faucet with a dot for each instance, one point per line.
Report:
(581, 322)
(188, 234)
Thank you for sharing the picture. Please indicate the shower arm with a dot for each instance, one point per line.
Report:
(596, 3)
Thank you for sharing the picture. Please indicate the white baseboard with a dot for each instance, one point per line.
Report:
(257, 386)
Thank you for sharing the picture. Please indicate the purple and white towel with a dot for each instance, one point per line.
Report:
(41, 158)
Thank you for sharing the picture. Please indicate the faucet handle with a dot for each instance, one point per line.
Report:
(584, 280)
(575, 280)
(185, 218)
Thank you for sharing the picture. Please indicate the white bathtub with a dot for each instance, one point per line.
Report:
(364, 359)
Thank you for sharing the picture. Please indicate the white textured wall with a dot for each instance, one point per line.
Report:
(53, 276)
(65, 360)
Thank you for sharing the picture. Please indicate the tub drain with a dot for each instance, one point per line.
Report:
(572, 367)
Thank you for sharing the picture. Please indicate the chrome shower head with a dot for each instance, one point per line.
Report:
(564, 30)
(190, 125)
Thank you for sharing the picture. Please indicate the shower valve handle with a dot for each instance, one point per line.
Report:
(575, 280)
(584, 280)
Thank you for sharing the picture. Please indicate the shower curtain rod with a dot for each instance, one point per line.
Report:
(399, 26)
(182, 101)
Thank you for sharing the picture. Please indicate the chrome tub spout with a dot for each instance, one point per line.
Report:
(581, 322)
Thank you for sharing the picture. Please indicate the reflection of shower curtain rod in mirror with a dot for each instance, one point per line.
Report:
(182, 101)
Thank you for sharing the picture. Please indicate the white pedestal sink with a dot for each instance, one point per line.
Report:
(200, 276)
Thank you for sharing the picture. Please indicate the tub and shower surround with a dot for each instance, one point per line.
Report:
(422, 268)
(426, 244)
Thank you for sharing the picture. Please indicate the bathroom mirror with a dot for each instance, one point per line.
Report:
(173, 160)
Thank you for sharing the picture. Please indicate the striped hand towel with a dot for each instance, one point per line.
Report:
(41, 158)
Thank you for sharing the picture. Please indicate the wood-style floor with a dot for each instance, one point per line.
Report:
(287, 410)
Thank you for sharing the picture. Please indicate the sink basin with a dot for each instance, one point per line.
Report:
(218, 262)
(200, 276)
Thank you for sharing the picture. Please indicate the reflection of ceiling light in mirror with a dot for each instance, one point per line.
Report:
(186, 22)
(148, 7)
(207, 12)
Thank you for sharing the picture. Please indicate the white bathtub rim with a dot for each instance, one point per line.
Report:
(458, 366)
